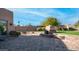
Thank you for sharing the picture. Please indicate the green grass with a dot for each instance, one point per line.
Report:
(69, 32)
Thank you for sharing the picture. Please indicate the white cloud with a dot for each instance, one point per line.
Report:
(51, 12)
(21, 10)
(44, 13)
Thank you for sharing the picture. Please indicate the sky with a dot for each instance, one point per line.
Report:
(35, 16)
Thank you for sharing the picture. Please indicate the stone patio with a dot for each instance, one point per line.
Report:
(40, 43)
(32, 43)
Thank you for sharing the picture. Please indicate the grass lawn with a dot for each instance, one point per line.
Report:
(69, 32)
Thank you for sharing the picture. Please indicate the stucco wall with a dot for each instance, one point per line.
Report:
(7, 16)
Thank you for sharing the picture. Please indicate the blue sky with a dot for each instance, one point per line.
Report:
(35, 16)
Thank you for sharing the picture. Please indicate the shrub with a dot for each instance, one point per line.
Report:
(41, 29)
(46, 32)
(1, 28)
(4, 33)
(14, 33)
(72, 29)
(65, 29)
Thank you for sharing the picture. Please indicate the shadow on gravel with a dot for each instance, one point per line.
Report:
(33, 43)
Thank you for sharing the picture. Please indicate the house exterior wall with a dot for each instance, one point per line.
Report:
(6, 15)
(25, 28)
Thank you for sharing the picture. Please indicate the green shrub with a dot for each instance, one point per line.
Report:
(72, 29)
(41, 29)
(4, 33)
(14, 33)
(1, 28)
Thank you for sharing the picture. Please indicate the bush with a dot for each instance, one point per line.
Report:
(1, 28)
(14, 33)
(65, 29)
(40, 29)
(4, 33)
(72, 29)
(46, 32)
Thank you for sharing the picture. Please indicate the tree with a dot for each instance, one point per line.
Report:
(50, 21)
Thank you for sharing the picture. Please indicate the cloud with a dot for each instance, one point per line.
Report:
(34, 13)
(29, 11)
(45, 12)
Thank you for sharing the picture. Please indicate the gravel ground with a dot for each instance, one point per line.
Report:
(71, 41)
(32, 43)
